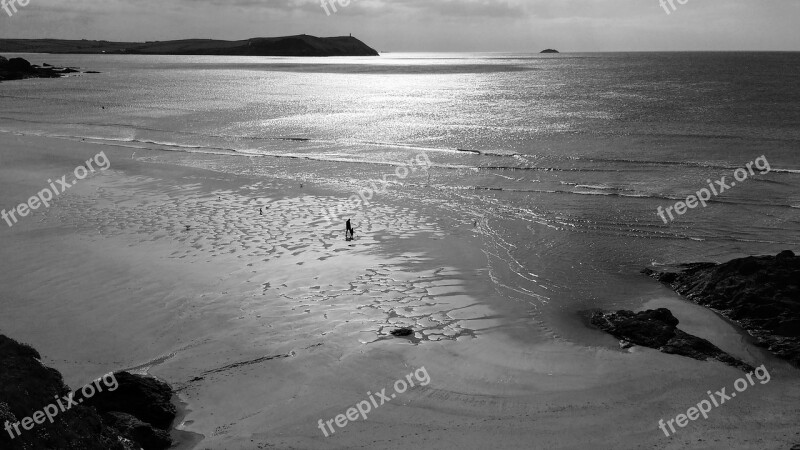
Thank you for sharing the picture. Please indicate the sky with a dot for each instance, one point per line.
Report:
(429, 25)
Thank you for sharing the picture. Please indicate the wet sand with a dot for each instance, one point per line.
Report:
(267, 323)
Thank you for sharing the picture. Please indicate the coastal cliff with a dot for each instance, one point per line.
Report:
(300, 45)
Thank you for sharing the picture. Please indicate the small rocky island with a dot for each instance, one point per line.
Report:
(137, 414)
(20, 69)
(760, 293)
(549, 50)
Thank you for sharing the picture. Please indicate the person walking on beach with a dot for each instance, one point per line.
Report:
(349, 234)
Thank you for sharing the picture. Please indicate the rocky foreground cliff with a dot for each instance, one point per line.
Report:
(300, 45)
(136, 414)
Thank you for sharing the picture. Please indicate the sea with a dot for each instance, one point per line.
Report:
(558, 163)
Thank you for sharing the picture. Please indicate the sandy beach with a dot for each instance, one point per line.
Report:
(267, 323)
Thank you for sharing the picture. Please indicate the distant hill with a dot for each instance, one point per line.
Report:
(549, 50)
(301, 45)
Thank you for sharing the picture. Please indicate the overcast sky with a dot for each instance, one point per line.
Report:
(429, 25)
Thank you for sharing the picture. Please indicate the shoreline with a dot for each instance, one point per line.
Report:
(283, 328)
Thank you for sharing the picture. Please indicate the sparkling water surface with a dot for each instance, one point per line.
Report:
(559, 162)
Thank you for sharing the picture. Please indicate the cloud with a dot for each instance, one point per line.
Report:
(425, 25)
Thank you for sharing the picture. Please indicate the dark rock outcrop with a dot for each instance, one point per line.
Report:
(761, 293)
(27, 387)
(147, 399)
(18, 69)
(133, 429)
(402, 332)
(657, 328)
(18, 65)
(300, 45)
(549, 50)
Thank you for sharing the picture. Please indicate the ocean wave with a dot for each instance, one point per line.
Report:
(495, 152)
(522, 159)
(186, 148)
(637, 195)
(701, 164)
(601, 187)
